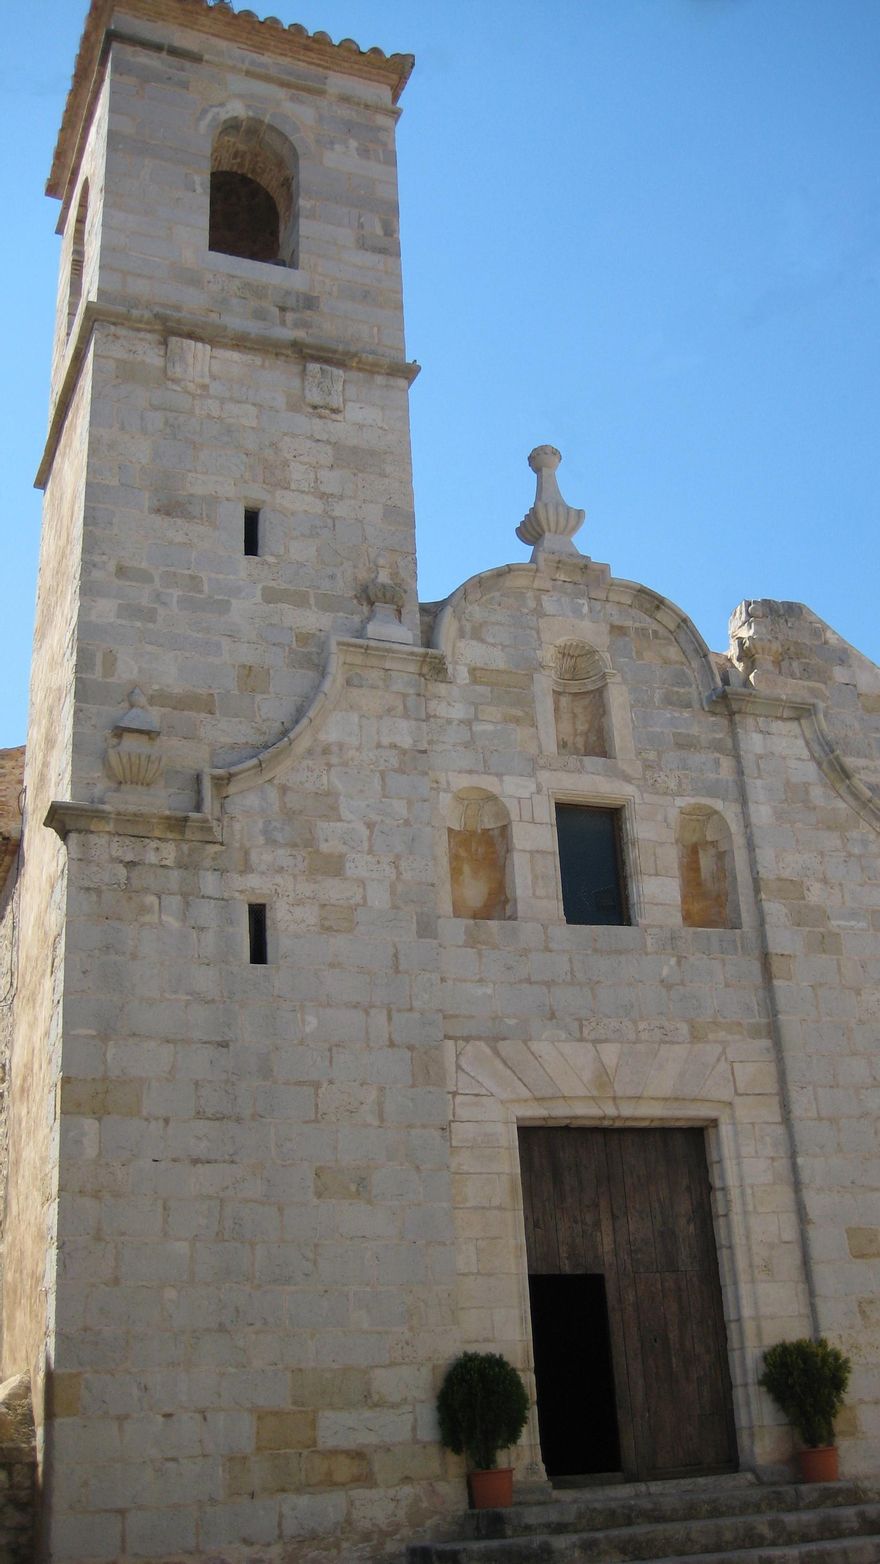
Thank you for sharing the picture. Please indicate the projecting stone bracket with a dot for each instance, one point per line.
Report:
(64, 816)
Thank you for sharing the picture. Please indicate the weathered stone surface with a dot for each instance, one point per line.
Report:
(255, 1206)
(717, 1521)
(580, 722)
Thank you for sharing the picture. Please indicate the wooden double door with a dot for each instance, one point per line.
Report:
(631, 1360)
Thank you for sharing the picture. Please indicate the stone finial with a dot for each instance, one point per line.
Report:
(137, 719)
(385, 598)
(550, 525)
(132, 757)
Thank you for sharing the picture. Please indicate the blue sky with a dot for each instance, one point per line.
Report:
(646, 231)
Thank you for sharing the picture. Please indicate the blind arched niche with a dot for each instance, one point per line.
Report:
(480, 856)
(706, 872)
(579, 703)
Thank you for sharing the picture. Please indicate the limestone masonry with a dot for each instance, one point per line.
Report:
(388, 980)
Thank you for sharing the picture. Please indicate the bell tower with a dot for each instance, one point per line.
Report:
(213, 938)
(230, 348)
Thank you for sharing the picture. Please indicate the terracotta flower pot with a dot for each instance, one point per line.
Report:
(819, 1464)
(491, 1490)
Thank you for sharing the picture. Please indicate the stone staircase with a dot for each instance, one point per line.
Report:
(733, 1520)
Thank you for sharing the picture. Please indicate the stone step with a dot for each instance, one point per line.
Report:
(740, 1536)
(857, 1550)
(595, 1510)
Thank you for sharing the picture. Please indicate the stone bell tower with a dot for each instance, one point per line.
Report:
(229, 372)
(228, 540)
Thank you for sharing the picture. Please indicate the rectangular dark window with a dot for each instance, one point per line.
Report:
(591, 863)
(251, 531)
(257, 941)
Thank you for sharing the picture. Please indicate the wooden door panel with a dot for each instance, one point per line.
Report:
(634, 1202)
(567, 1158)
(634, 1205)
(684, 1398)
(632, 1364)
(539, 1199)
(619, 1354)
(687, 1392)
(589, 1159)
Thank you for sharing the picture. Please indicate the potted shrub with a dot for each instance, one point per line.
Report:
(483, 1408)
(808, 1380)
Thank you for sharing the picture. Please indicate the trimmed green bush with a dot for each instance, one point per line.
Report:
(482, 1407)
(808, 1380)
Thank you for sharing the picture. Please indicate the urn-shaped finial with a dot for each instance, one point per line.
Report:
(133, 759)
(550, 525)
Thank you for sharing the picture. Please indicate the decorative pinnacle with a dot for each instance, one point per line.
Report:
(550, 525)
(137, 719)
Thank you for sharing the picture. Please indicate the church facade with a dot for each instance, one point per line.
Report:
(391, 979)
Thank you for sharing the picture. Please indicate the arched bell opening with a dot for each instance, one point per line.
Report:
(253, 194)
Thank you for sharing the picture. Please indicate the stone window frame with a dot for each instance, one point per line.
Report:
(258, 933)
(261, 897)
(625, 804)
(253, 531)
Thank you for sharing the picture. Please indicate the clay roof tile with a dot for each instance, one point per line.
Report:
(268, 36)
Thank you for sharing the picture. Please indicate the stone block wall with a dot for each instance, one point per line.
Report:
(226, 648)
(28, 1283)
(812, 787)
(260, 1153)
(166, 109)
(649, 1023)
(11, 782)
(256, 1257)
(256, 1206)
(211, 393)
(7, 995)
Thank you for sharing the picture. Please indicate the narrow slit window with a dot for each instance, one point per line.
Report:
(251, 531)
(257, 938)
(591, 864)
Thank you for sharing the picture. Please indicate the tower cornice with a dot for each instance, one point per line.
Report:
(269, 38)
(216, 334)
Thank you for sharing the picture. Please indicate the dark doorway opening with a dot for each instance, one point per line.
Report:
(577, 1416)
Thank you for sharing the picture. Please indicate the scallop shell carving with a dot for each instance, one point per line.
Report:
(135, 766)
(577, 661)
